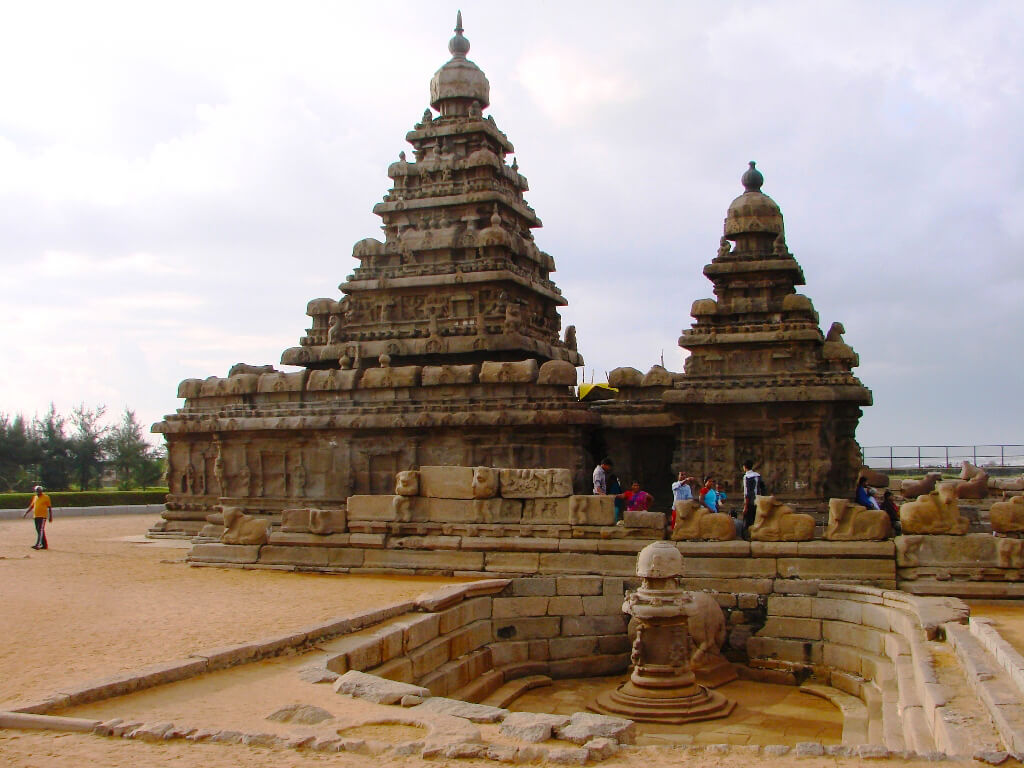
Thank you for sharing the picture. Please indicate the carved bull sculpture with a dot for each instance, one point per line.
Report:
(934, 512)
(695, 521)
(1008, 516)
(911, 488)
(240, 528)
(776, 521)
(849, 521)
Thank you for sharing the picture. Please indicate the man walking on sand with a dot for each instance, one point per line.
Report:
(42, 509)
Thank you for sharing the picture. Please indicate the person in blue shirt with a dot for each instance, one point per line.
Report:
(714, 497)
(681, 490)
(864, 497)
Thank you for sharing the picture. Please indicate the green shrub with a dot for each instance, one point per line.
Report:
(86, 498)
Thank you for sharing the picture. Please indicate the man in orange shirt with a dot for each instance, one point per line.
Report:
(42, 508)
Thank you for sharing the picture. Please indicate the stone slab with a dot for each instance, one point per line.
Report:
(535, 483)
(446, 482)
(547, 511)
(225, 553)
(476, 713)
(376, 689)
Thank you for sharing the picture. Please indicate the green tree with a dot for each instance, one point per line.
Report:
(19, 453)
(135, 462)
(87, 443)
(53, 449)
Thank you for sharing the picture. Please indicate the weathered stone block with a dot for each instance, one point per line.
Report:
(589, 666)
(539, 586)
(470, 637)
(303, 556)
(788, 626)
(295, 521)
(345, 558)
(593, 625)
(429, 656)
(592, 510)
(817, 568)
(464, 613)
(444, 560)
(718, 567)
(571, 647)
(523, 372)
(519, 607)
(640, 519)
(796, 651)
(512, 562)
(376, 689)
(509, 652)
(566, 605)
(603, 605)
(390, 378)
(440, 375)
(418, 629)
(977, 549)
(535, 483)
(224, 553)
(546, 511)
(785, 605)
(399, 670)
(579, 585)
(572, 563)
(385, 508)
(446, 482)
(527, 629)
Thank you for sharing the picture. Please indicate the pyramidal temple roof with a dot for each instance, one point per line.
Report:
(458, 278)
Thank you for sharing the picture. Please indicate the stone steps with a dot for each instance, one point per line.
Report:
(855, 713)
(513, 689)
(997, 690)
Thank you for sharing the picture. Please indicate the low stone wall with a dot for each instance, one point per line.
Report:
(973, 565)
(875, 645)
(469, 640)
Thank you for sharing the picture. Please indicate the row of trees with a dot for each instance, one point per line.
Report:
(58, 451)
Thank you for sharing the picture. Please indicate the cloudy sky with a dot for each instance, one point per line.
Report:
(178, 179)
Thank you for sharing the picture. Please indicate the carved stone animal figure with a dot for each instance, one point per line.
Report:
(485, 482)
(776, 521)
(968, 471)
(1006, 483)
(240, 528)
(911, 488)
(694, 521)
(848, 521)
(407, 483)
(975, 488)
(875, 478)
(1007, 516)
(706, 624)
(934, 512)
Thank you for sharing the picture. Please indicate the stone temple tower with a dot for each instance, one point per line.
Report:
(458, 277)
(762, 382)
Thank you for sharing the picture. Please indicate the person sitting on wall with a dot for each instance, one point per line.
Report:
(714, 497)
(892, 509)
(864, 496)
(737, 523)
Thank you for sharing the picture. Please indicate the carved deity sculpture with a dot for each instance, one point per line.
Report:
(776, 521)
(695, 521)
(849, 521)
(407, 483)
(245, 478)
(485, 482)
(190, 479)
(201, 475)
(299, 479)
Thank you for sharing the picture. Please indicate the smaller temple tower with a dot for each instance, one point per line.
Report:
(762, 381)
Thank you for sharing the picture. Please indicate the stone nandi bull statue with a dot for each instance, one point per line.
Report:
(849, 521)
(934, 512)
(240, 528)
(695, 521)
(776, 521)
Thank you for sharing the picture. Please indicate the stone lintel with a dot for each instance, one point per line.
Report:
(850, 393)
(462, 278)
(466, 198)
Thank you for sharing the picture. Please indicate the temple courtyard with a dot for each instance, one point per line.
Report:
(105, 600)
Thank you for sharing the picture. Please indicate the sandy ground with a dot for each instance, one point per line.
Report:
(95, 604)
(102, 601)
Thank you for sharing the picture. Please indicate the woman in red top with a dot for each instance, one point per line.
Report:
(636, 499)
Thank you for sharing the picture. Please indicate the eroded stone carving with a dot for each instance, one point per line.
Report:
(776, 521)
(975, 488)
(849, 521)
(912, 488)
(706, 625)
(535, 483)
(1008, 516)
(1006, 483)
(557, 372)
(407, 483)
(485, 482)
(240, 528)
(524, 372)
(695, 522)
(625, 377)
(934, 512)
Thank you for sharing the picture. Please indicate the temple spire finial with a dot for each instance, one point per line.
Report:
(458, 45)
(752, 179)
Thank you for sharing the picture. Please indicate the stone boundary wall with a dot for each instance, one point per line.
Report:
(875, 645)
(468, 640)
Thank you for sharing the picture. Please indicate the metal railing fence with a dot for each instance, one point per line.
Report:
(933, 457)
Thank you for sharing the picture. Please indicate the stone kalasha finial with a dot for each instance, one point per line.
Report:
(458, 45)
(752, 178)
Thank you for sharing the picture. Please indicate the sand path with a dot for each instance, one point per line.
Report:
(94, 604)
